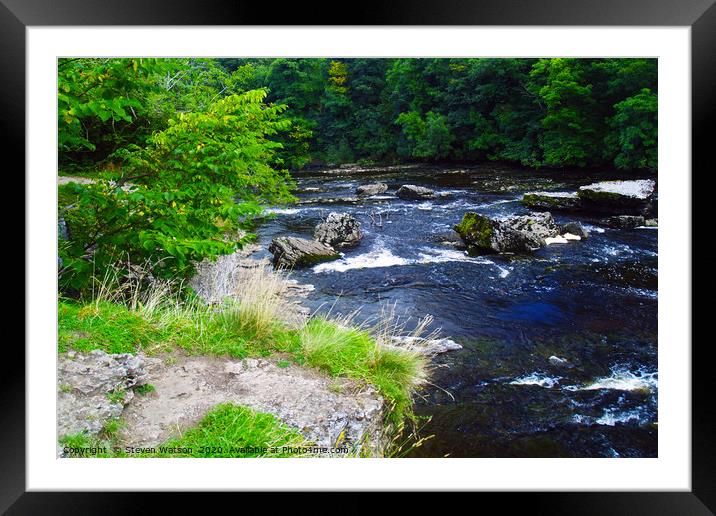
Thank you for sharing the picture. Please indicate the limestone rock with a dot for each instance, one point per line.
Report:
(511, 235)
(412, 192)
(93, 389)
(559, 201)
(618, 197)
(339, 230)
(291, 252)
(372, 189)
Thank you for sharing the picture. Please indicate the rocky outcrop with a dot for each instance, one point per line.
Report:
(424, 346)
(549, 201)
(517, 234)
(415, 193)
(624, 221)
(93, 388)
(618, 197)
(328, 411)
(339, 230)
(294, 252)
(372, 189)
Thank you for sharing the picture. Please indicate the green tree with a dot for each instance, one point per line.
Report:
(635, 133)
(182, 196)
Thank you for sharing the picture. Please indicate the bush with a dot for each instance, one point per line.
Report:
(181, 197)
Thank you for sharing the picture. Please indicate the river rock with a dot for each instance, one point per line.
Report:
(330, 200)
(561, 201)
(574, 228)
(292, 252)
(624, 221)
(511, 235)
(339, 230)
(425, 346)
(93, 388)
(618, 197)
(413, 193)
(372, 189)
(651, 223)
(451, 238)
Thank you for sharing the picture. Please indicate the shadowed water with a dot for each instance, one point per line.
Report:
(590, 305)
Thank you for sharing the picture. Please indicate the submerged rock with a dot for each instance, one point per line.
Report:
(562, 201)
(330, 200)
(93, 388)
(372, 189)
(618, 197)
(425, 346)
(624, 221)
(339, 230)
(515, 234)
(291, 252)
(412, 192)
(451, 238)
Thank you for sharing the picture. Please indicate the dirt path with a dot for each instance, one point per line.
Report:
(320, 407)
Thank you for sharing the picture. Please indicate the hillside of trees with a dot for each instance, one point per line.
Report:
(532, 112)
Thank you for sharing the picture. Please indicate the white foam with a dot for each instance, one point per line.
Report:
(612, 416)
(379, 257)
(446, 255)
(539, 379)
(283, 211)
(427, 205)
(555, 240)
(623, 380)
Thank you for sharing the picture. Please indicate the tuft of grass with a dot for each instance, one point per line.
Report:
(343, 350)
(235, 431)
(144, 389)
(226, 431)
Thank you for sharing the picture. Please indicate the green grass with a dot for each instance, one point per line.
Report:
(158, 321)
(346, 351)
(226, 431)
(144, 389)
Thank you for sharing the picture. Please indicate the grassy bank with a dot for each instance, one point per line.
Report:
(158, 320)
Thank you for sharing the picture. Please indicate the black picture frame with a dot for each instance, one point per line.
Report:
(700, 15)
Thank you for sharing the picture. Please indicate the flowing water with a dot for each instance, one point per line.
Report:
(560, 347)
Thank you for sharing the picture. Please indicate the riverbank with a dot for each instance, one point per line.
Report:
(245, 341)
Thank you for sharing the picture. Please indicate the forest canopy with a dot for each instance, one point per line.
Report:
(534, 112)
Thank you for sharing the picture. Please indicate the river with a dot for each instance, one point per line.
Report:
(560, 347)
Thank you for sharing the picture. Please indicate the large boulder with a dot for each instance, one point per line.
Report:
(632, 197)
(415, 193)
(372, 189)
(548, 201)
(516, 234)
(339, 230)
(294, 252)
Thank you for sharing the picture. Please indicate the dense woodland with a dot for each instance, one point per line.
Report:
(536, 112)
(189, 150)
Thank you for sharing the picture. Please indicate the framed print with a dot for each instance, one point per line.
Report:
(437, 249)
